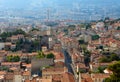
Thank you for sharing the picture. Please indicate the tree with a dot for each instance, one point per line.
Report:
(40, 55)
(95, 37)
(4, 35)
(9, 58)
(16, 58)
(100, 47)
(35, 29)
(104, 59)
(18, 31)
(13, 58)
(87, 60)
(88, 26)
(81, 41)
(87, 57)
(101, 69)
(51, 55)
(114, 57)
(18, 45)
(36, 44)
(118, 28)
(4, 68)
(115, 68)
(73, 26)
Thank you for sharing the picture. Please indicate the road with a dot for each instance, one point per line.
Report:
(69, 64)
(68, 61)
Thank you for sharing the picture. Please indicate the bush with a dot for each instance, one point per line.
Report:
(112, 57)
(40, 55)
(51, 55)
(118, 28)
(95, 37)
(104, 60)
(115, 77)
(13, 58)
(101, 69)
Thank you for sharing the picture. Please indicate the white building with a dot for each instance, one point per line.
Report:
(2, 45)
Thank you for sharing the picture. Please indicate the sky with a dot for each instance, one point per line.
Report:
(29, 4)
(60, 7)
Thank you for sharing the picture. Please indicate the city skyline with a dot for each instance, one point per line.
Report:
(37, 10)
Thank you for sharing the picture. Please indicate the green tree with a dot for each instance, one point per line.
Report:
(4, 68)
(16, 58)
(115, 68)
(9, 58)
(104, 59)
(95, 37)
(101, 69)
(118, 28)
(88, 26)
(51, 55)
(35, 29)
(4, 36)
(87, 57)
(18, 45)
(71, 26)
(13, 58)
(81, 41)
(36, 44)
(114, 57)
(40, 55)
(18, 31)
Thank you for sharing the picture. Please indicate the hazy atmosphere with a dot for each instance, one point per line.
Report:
(59, 9)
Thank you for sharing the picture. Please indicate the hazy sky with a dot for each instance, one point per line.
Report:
(50, 3)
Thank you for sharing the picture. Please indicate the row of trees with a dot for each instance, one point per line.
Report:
(42, 55)
(12, 58)
(112, 57)
(27, 46)
(5, 35)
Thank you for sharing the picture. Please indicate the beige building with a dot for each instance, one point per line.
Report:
(48, 72)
